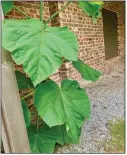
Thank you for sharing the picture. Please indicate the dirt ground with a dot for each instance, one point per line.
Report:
(107, 103)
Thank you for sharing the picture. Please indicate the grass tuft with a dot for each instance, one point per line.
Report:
(117, 142)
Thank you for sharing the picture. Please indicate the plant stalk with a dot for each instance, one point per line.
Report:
(27, 95)
(30, 104)
(56, 13)
(41, 5)
(38, 122)
(22, 12)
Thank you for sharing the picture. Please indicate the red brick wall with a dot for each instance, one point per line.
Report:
(90, 36)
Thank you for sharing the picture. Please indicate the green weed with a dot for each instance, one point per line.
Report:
(117, 142)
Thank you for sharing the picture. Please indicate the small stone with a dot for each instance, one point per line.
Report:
(102, 136)
(105, 108)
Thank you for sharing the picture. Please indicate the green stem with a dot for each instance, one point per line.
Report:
(22, 12)
(41, 4)
(56, 13)
(27, 95)
(37, 122)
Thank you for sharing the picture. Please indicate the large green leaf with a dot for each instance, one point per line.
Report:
(91, 8)
(23, 81)
(44, 139)
(39, 49)
(59, 134)
(26, 113)
(87, 72)
(7, 6)
(66, 104)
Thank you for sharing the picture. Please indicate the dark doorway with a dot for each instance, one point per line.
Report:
(110, 33)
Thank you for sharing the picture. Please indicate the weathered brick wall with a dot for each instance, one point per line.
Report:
(90, 36)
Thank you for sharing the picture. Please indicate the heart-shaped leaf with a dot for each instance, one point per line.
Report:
(91, 8)
(23, 81)
(66, 104)
(7, 6)
(43, 140)
(87, 72)
(40, 49)
(26, 113)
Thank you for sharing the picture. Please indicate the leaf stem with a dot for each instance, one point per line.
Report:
(27, 95)
(41, 4)
(29, 90)
(56, 13)
(22, 12)
(37, 122)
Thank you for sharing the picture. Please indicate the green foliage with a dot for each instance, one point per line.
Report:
(7, 6)
(117, 142)
(68, 104)
(23, 81)
(91, 8)
(41, 50)
(87, 72)
(26, 113)
(43, 140)
(38, 49)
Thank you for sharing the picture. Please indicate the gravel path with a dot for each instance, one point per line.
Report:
(107, 103)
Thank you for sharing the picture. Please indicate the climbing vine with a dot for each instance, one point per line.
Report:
(40, 49)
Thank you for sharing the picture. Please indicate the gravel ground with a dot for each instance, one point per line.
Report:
(107, 103)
